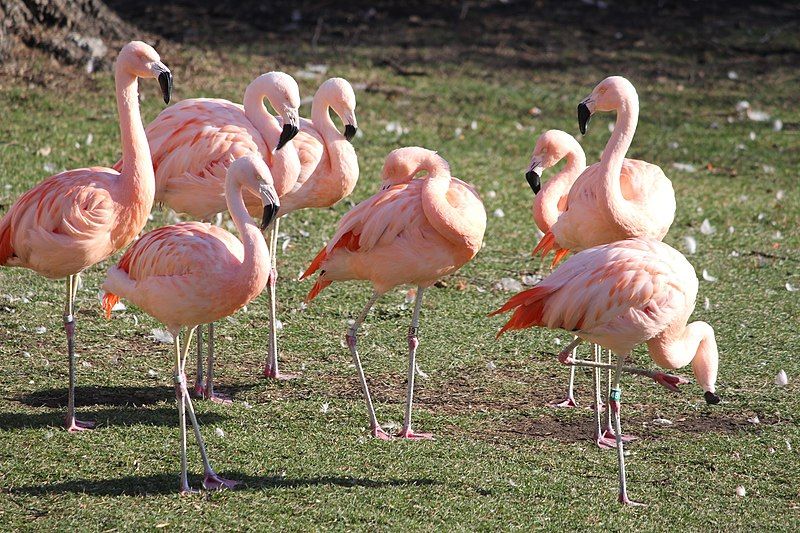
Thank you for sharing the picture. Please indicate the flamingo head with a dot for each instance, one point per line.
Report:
(342, 99)
(283, 94)
(551, 147)
(253, 174)
(403, 164)
(141, 60)
(609, 95)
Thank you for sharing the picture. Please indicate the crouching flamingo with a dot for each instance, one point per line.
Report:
(77, 218)
(413, 231)
(192, 273)
(620, 295)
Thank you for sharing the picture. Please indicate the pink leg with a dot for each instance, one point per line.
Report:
(208, 392)
(413, 343)
(72, 424)
(199, 387)
(271, 369)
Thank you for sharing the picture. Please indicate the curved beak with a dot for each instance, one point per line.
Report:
(269, 199)
(288, 133)
(350, 132)
(164, 80)
(534, 180)
(584, 114)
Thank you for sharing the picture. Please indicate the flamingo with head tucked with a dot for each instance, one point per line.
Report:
(195, 141)
(77, 218)
(413, 231)
(329, 173)
(192, 273)
(550, 199)
(620, 295)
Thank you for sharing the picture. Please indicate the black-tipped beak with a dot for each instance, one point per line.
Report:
(350, 132)
(534, 180)
(270, 212)
(288, 133)
(165, 81)
(583, 117)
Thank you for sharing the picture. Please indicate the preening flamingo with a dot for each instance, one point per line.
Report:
(329, 173)
(620, 295)
(413, 231)
(616, 198)
(192, 273)
(194, 142)
(77, 218)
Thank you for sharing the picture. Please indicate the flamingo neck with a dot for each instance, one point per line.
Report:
(256, 255)
(340, 153)
(695, 343)
(137, 167)
(547, 204)
(618, 209)
(256, 112)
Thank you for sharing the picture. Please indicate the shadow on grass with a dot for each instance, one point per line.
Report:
(91, 395)
(168, 484)
(163, 416)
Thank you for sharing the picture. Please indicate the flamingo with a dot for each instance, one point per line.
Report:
(413, 231)
(75, 219)
(550, 200)
(194, 142)
(192, 273)
(329, 172)
(619, 295)
(616, 198)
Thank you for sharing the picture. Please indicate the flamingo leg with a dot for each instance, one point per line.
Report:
(609, 431)
(569, 401)
(211, 480)
(208, 392)
(71, 423)
(667, 380)
(271, 369)
(413, 343)
(614, 402)
(600, 439)
(180, 382)
(377, 431)
(198, 383)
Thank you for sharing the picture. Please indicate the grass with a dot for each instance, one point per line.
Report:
(502, 458)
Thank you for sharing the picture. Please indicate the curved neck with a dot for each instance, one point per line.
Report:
(548, 203)
(256, 112)
(618, 208)
(447, 220)
(256, 254)
(678, 346)
(137, 165)
(340, 153)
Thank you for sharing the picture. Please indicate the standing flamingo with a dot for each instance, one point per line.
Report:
(192, 273)
(329, 172)
(77, 218)
(616, 198)
(550, 200)
(620, 295)
(412, 231)
(194, 142)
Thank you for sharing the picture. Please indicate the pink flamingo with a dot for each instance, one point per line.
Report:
(192, 273)
(329, 172)
(412, 231)
(194, 142)
(77, 218)
(550, 200)
(616, 198)
(620, 295)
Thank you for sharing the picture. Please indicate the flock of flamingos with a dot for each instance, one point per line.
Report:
(205, 156)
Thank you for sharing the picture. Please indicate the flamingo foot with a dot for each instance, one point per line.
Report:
(669, 381)
(379, 433)
(408, 433)
(568, 402)
(271, 373)
(222, 399)
(74, 425)
(609, 434)
(606, 443)
(186, 490)
(213, 481)
(624, 500)
(199, 390)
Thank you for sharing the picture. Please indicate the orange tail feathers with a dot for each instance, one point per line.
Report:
(529, 310)
(561, 253)
(109, 301)
(317, 288)
(546, 244)
(315, 264)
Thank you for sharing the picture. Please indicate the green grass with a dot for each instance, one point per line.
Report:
(502, 458)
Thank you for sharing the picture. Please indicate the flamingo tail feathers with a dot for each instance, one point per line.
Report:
(528, 309)
(109, 301)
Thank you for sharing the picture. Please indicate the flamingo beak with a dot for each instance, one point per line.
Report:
(350, 132)
(584, 114)
(287, 134)
(269, 199)
(164, 80)
(534, 180)
(270, 212)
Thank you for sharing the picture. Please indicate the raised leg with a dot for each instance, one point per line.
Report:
(209, 393)
(615, 398)
(211, 480)
(70, 422)
(180, 386)
(271, 368)
(376, 429)
(413, 342)
(198, 383)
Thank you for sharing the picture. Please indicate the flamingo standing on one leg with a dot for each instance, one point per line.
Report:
(620, 295)
(194, 142)
(550, 199)
(77, 218)
(413, 231)
(329, 173)
(191, 273)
